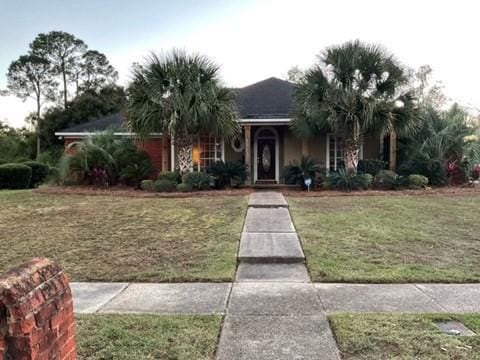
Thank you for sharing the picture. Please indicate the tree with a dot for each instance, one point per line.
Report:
(93, 72)
(428, 92)
(295, 74)
(63, 51)
(180, 95)
(355, 89)
(83, 108)
(30, 76)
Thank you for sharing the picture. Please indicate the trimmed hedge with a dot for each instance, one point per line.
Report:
(147, 185)
(165, 186)
(15, 176)
(417, 181)
(40, 172)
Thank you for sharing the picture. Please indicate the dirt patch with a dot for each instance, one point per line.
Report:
(130, 192)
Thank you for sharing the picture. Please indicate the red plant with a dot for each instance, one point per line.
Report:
(476, 172)
(455, 174)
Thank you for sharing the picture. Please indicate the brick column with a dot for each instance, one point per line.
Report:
(248, 153)
(36, 313)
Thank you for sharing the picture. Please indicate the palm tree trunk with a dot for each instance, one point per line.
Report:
(184, 154)
(351, 153)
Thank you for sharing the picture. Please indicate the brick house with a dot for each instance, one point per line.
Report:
(266, 145)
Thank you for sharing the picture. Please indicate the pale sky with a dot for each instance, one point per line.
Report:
(253, 40)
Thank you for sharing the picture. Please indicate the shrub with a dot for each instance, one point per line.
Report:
(184, 187)
(198, 180)
(132, 164)
(295, 172)
(173, 176)
(224, 173)
(54, 176)
(39, 172)
(389, 180)
(15, 176)
(134, 173)
(164, 185)
(456, 175)
(371, 166)
(147, 185)
(348, 180)
(434, 169)
(415, 181)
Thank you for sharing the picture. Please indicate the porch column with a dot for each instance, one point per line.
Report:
(248, 153)
(393, 151)
(164, 153)
(304, 147)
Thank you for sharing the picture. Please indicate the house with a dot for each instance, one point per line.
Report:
(266, 144)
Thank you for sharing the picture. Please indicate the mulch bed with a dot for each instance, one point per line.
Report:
(130, 192)
(444, 191)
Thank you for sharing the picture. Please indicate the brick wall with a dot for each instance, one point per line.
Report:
(154, 147)
(36, 313)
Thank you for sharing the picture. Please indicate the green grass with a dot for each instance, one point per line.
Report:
(147, 337)
(403, 336)
(390, 238)
(101, 238)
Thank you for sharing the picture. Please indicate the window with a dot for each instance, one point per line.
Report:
(206, 151)
(335, 153)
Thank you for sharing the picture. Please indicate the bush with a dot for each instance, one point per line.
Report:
(164, 185)
(417, 181)
(224, 173)
(147, 185)
(389, 180)
(173, 176)
(371, 166)
(295, 172)
(183, 187)
(15, 176)
(54, 177)
(348, 180)
(39, 172)
(435, 170)
(198, 180)
(134, 173)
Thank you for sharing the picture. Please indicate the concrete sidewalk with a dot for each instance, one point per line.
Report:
(253, 297)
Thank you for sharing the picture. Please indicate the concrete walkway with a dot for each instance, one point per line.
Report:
(272, 310)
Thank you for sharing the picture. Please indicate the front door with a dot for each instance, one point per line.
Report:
(266, 159)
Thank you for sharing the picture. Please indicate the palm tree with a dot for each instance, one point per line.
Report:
(355, 89)
(180, 95)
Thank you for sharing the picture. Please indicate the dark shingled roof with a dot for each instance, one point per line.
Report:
(113, 121)
(268, 99)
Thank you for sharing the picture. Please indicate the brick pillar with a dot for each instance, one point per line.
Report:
(248, 153)
(36, 313)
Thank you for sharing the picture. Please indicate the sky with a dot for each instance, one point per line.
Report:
(252, 40)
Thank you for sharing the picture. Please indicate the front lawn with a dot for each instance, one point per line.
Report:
(147, 337)
(403, 336)
(393, 238)
(102, 238)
